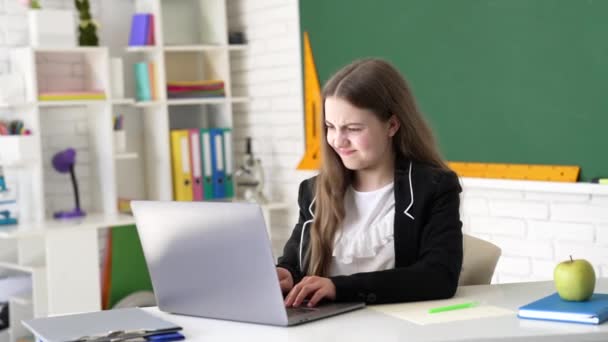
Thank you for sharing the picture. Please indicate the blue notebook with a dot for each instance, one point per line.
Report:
(553, 308)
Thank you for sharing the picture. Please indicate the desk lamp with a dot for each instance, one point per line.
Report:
(64, 162)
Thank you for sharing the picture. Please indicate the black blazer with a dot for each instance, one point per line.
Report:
(427, 238)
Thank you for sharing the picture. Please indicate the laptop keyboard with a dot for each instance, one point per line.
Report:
(300, 310)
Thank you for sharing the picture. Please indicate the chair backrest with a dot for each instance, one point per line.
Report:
(136, 299)
(479, 261)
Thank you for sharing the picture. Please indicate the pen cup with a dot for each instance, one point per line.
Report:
(120, 141)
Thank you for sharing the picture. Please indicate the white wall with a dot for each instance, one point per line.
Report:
(270, 74)
(538, 224)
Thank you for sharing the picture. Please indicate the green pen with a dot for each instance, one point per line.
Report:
(453, 307)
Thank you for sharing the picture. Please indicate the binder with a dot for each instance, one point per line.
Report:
(119, 324)
(206, 164)
(140, 24)
(152, 76)
(195, 164)
(217, 162)
(553, 308)
(228, 161)
(180, 160)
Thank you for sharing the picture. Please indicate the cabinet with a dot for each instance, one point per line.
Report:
(62, 257)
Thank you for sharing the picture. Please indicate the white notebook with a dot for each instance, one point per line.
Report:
(132, 321)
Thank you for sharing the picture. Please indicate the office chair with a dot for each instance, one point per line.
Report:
(125, 271)
(136, 299)
(479, 261)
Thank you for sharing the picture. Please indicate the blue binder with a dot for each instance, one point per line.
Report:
(553, 308)
(218, 170)
(206, 164)
(140, 24)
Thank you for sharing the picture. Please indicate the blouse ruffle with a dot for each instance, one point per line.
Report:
(367, 242)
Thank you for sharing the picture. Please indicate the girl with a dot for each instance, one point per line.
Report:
(380, 222)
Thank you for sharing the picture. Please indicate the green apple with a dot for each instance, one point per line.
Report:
(574, 279)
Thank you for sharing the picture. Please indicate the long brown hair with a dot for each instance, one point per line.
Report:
(375, 85)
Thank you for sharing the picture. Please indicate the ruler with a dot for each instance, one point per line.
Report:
(553, 173)
(312, 112)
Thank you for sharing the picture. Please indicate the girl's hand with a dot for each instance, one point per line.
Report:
(285, 279)
(314, 288)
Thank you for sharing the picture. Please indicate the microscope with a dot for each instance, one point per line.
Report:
(249, 178)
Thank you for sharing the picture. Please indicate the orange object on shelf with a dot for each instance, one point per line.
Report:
(553, 173)
(312, 112)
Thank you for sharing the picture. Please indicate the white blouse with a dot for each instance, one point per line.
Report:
(365, 241)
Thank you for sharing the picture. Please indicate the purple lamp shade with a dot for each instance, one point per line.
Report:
(64, 162)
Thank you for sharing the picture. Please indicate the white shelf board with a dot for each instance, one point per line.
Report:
(91, 221)
(5, 335)
(123, 101)
(22, 299)
(125, 156)
(237, 47)
(70, 103)
(16, 105)
(267, 206)
(148, 103)
(538, 186)
(146, 48)
(184, 102)
(189, 48)
(76, 49)
(20, 268)
(240, 99)
(275, 206)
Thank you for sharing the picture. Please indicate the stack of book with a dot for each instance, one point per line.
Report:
(142, 30)
(195, 89)
(72, 95)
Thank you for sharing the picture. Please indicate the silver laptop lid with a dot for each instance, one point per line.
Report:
(210, 259)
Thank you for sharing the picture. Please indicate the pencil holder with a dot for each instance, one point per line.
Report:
(120, 141)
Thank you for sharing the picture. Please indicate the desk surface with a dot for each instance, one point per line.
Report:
(370, 325)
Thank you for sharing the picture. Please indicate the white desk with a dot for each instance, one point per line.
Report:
(368, 325)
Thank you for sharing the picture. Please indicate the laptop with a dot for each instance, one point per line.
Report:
(214, 260)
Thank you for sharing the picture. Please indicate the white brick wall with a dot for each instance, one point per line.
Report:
(537, 225)
(61, 127)
(270, 74)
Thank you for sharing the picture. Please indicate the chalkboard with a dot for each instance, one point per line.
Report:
(509, 81)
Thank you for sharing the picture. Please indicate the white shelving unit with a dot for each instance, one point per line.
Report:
(191, 39)
(62, 257)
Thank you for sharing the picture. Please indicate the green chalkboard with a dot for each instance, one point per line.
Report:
(509, 81)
